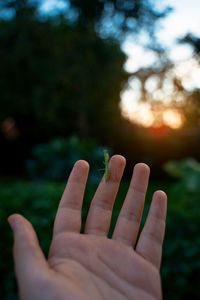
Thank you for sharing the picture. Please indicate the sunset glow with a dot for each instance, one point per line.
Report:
(172, 118)
(144, 116)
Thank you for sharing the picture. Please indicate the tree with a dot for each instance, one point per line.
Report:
(60, 76)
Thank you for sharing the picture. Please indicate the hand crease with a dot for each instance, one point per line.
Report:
(89, 270)
(126, 280)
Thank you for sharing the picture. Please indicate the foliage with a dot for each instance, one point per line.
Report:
(54, 160)
(55, 78)
(125, 16)
(132, 16)
(193, 41)
(181, 259)
(183, 169)
(61, 75)
(61, 69)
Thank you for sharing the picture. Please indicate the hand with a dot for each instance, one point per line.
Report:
(91, 266)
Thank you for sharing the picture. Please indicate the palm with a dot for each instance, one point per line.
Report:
(91, 266)
(109, 268)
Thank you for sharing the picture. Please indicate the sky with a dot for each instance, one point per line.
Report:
(184, 18)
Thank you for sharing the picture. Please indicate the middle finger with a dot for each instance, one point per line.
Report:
(100, 212)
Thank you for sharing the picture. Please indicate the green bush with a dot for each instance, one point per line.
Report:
(38, 203)
(54, 160)
(181, 257)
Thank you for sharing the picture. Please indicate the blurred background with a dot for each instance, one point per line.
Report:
(77, 77)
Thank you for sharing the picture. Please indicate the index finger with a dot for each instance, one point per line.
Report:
(68, 217)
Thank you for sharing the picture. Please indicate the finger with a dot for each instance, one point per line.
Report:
(151, 238)
(128, 223)
(29, 259)
(99, 216)
(68, 218)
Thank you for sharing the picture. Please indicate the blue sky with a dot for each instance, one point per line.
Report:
(184, 18)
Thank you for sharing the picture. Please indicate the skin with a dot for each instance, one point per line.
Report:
(91, 266)
(106, 160)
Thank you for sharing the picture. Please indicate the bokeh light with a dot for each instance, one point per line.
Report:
(142, 114)
(173, 118)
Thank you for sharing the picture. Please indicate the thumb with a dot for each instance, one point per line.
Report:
(29, 259)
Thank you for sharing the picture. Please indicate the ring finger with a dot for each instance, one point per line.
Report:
(128, 223)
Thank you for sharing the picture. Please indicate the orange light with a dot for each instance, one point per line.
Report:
(142, 115)
(172, 118)
(159, 130)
